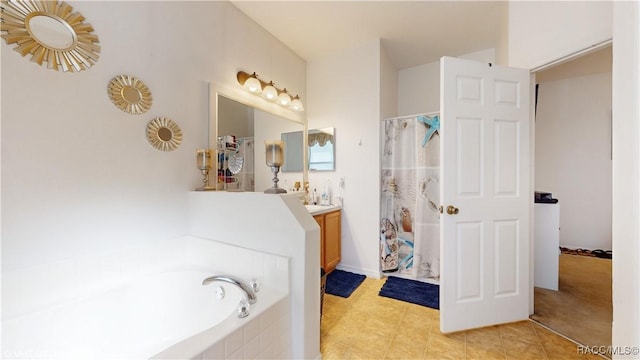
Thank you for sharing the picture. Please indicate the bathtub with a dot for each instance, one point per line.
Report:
(162, 315)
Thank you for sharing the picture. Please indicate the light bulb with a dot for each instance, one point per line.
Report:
(270, 92)
(284, 99)
(253, 85)
(296, 104)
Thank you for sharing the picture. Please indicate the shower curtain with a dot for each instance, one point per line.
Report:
(410, 197)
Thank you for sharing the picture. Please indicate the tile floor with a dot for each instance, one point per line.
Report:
(368, 326)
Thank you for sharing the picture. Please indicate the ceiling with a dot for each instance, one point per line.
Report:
(412, 32)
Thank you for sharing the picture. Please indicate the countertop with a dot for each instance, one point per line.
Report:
(321, 209)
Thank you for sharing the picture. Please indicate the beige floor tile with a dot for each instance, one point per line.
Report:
(404, 348)
(485, 337)
(484, 351)
(371, 327)
(370, 346)
(522, 350)
(415, 328)
(442, 346)
(522, 331)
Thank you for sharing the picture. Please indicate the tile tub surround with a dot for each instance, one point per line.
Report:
(176, 255)
(263, 335)
(276, 224)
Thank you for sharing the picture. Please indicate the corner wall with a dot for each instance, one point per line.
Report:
(344, 91)
(626, 176)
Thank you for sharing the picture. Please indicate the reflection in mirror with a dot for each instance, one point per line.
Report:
(165, 134)
(131, 94)
(293, 154)
(321, 149)
(52, 32)
(242, 126)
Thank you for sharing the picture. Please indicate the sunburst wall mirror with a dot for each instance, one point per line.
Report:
(129, 94)
(164, 134)
(51, 32)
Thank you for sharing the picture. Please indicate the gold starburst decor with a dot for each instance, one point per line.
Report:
(51, 32)
(129, 94)
(164, 134)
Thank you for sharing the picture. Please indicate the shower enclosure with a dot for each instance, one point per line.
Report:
(410, 197)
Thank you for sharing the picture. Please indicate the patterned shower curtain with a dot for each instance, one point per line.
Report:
(410, 197)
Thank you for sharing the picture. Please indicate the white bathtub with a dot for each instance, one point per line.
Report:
(159, 315)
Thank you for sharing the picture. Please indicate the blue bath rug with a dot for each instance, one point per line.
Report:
(415, 292)
(343, 283)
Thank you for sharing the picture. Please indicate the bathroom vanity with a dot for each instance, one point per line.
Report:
(328, 218)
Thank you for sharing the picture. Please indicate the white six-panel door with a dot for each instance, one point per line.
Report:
(485, 193)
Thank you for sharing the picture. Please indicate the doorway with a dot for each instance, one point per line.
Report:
(573, 162)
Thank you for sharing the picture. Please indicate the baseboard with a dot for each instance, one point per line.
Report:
(368, 273)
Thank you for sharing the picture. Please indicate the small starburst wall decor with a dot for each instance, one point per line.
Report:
(164, 134)
(51, 32)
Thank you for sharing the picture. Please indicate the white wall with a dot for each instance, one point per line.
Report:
(80, 168)
(419, 89)
(79, 180)
(541, 31)
(388, 87)
(344, 92)
(419, 86)
(626, 176)
(573, 152)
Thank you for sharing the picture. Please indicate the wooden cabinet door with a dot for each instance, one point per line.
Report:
(320, 221)
(332, 231)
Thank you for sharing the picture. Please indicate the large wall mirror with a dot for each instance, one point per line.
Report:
(321, 150)
(243, 129)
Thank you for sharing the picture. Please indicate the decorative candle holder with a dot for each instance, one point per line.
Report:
(274, 159)
(203, 157)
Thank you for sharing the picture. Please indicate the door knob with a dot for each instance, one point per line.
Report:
(452, 210)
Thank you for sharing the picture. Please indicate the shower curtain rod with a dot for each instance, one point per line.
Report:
(408, 116)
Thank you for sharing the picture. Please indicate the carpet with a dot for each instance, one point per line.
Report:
(343, 283)
(415, 292)
(605, 254)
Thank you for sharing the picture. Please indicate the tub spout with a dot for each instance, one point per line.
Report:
(251, 295)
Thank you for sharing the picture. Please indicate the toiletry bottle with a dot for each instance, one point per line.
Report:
(227, 172)
(307, 201)
(315, 197)
(327, 193)
(221, 167)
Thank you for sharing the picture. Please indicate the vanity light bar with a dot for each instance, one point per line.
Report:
(254, 85)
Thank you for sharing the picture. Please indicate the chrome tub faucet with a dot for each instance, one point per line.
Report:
(249, 290)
